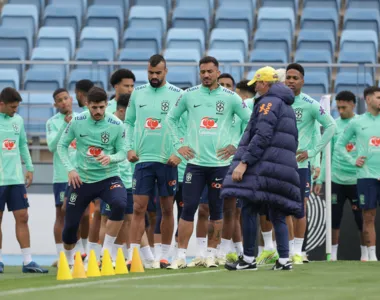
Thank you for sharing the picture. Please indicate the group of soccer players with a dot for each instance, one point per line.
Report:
(151, 146)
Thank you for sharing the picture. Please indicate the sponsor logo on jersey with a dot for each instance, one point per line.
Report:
(350, 147)
(153, 123)
(209, 123)
(94, 151)
(374, 141)
(112, 121)
(73, 144)
(9, 145)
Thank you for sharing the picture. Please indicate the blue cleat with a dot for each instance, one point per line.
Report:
(1, 267)
(33, 267)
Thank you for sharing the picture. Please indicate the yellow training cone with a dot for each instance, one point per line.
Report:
(136, 266)
(93, 267)
(121, 267)
(107, 268)
(63, 268)
(78, 271)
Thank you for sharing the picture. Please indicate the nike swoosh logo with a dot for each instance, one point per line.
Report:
(83, 135)
(195, 106)
(142, 105)
(218, 179)
(238, 267)
(364, 128)
(114, 182)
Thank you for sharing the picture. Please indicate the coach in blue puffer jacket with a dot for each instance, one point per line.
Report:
(264, 168)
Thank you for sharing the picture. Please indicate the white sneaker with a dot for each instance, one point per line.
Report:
(305, 259)
(210, 262)
(221, 261)
(149, 264)
(177, 264)
(196, 262)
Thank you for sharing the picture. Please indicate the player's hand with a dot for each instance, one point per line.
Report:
(360, 161)
(302, 156)
(104, 159)
(226, 153)
(74, 179)
(317, 189)
(28, 178)
(238, 173)
(68, 118)
(174, 160)
(132, 156)
(186, 152)
(317, 172)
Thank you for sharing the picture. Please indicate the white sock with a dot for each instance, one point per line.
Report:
(274, 245)
(225, 247)
(248, 259)
(239, 248)
(372, 253)
(133, 246)
(291, 248)
(84, 243)
(261, 249)
(334, 252)
(210, 252)
(108, 243)
(165, 251)
(298, 246)
(364, 253)
(268, 241)
(125, 251)
(79, 247)
(146, 254)
(181, 254)
(59, 248)
(152, 249)
(283, 261)
(175, 251)
(115, 249)
(70, 256)
(95, 247)
(1, 255)
(157, 251)
(27, 255)
(202, 247)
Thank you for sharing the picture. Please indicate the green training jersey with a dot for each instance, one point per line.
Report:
(55, 126)
(147, 130)
(14, 143)
(182, 129)
(308, 111)
(250, 102)
(94, 138)
(112, 106)
(363, 135)
(238, 127)
(209, 129)
(126, 174)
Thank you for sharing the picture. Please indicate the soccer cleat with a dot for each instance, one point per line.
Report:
(232, 257)
(364, 258)
(33, 267)
(177, 264)
(196, 262)
(220, 261)
(164, 264)
(210, 262)
(241, 265)
(83, 255)
(305, 259)
(297, 259)
(267, 257)
(156, 265)
(279, 267)
(129, 263)
(1, 268)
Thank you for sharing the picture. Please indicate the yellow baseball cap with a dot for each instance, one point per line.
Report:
(264, 74)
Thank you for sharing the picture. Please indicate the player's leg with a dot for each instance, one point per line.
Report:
(84, 230)
(179, 203)
(237, 236)
(269, 254)
(123, 239)
(152, 215)
(59, 190)
(3, 197)
(157, 239)
(105, 212)
(307, 195)
(229, 208)
(289, 223)
(95, 225)
(338, 198)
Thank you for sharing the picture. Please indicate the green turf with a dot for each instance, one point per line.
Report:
(337, 280)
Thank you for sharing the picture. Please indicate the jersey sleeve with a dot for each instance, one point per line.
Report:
(130, 122)
(340, 146)
(173, 118)
(120, 145)
(244, 113)
(316, 161)
(24, 149)
(63, 146)
(53, 135)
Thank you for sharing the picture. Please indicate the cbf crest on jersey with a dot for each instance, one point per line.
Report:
(16, 128)
(219, 107)
(105, 137)
(299, 113)
(164, 107)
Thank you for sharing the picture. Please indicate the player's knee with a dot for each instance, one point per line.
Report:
(228, 213)
(117, 210)
(69, 233)
(203, 212)
(217, 214)
(167, 211)
(22, 218)
(188, 212)
(139, 209)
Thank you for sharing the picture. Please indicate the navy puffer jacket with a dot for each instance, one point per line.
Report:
(269, 146)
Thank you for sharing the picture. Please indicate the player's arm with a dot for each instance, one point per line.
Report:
(25, 155)
(340, 146)
(316, 160)
(53, 135)
(120, 146)
(63, 146)
(130, 120)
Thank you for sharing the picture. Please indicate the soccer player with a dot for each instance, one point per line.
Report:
(54, 129)
(81, 91)
(308, 112)
(12, 182)
(244, 90)
(227, 81)
(365, 131)
(343, 175)
(209, 146)
(123, 81)
(100, 140)
(150, 146)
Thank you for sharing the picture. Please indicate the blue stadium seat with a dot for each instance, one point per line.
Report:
(100, 38)
(227, 56)
(40, 98)
(352, 40)
(316, 84)
(314, 56)
(320, 18)
(82, 4)
(9, 78)
(11, 37)
(360, 57)
(40, 4)
(123, 4)
(229, 39)
(323, 3)
(316, 40)
(98, 77)
(63, 15)
(95, 55)
(249, 5)
(43, 80)
(136, 55)
(186, 38)
(57, 37)
(374, 4)
(268, 55)
(12, 54)
(273, 39)
(20, 15)
(51, 54)
(361, 18)
(353, 82)
(182, 75)
(141, 77)
(139, 38)
(293, 4)
(205, 5)
(234, 17)
(191, 17)
(105, 16)
(164, 3)
(148, 17)
(273, 18)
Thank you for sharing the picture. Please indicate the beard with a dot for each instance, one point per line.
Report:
(155, 83)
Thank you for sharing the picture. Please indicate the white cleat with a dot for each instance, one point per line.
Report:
(177, 264)
(156, 265)
(210, 262)
(149, 264)
(197, 262)
(221, 261)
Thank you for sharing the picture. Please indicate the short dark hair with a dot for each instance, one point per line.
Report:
(243, 86)
(154, 60)
(371, 90)
(209, 59)
(58, 91)
(226, 75)
(123, 101)
(96, 94)
(346, 96)
(84, 85)
(297, 67)
(121, 74)
(10, 95)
